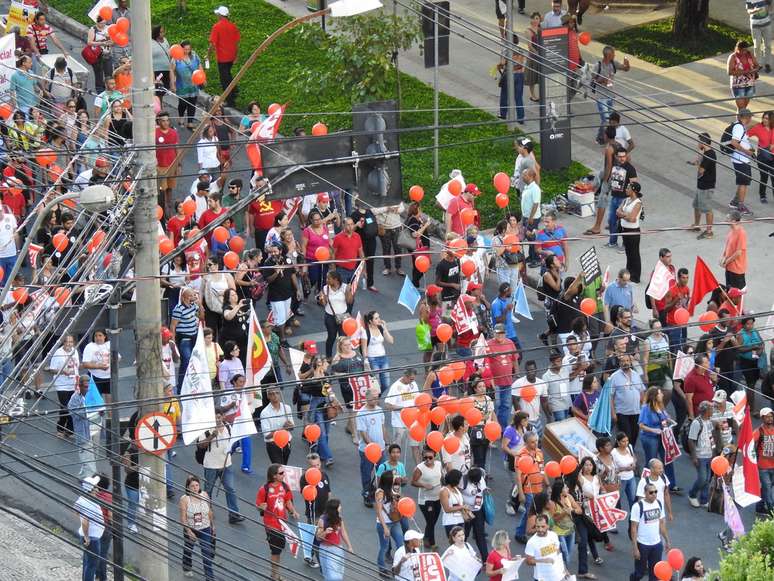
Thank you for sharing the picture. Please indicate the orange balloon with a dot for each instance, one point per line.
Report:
(423, 418)
(588, 306)
(459, 247)
(423, 401)
(407, 507)
(319, 129)
(719, 465)
(2, 272)
(663, 571)
(237, 244)
(682, 316)
(123, 24)
(61, 294)
(513, 241)
(273, 108)
(552, 469)
(322, 253)
(127, 103)
(373, 452)
(445, 375)
(189, 207)
(443, 332)
(448, 403)
(709, 319)
(176, 52)
(231, 260)
(221, 234)
(45, 157)
(502, 200)
(21, 295)
(349, 326)
(60, 241)
(584, 37)
(416, 193)
(676, 558)
(459, 369)
(159, 212)
(281, 438)
(492, 431)
(474, 416)
(454, 187)
(437, 416)
(568, 464)
(528, 393)
(468, 268)
(417, 432)
(312, 432)
(526, 464)
(112, 30)
(451, 443)
(313, 476)
(435, 440)
(106, 13)
(166, 246)
(422, 263)
(54, 173)
(309, 493)
(408, 416)
(199, 77)
(502, 182)
(96, 240)
(464, 404)
(121, 38)
(5, 110)
(467, 216)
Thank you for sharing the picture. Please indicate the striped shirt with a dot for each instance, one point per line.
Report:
(187, 319)
(759, 12)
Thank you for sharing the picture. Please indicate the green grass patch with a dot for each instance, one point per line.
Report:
(653, 42)
(480, 151)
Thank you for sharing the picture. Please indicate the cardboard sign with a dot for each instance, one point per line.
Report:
(589, 262)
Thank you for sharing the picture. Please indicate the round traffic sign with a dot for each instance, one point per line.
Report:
(155, 433)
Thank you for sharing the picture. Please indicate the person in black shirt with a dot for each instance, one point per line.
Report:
(418, 223)
(367, 228)
(283, 283)
(706, 163)
(447, 274)
(621, 174)
(316, 508)
(725, 343)
(567, 307)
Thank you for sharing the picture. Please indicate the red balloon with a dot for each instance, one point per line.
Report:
(407, 507)
(166, 246)
(176, 52)
(417, 431)
(467, 216)
(61, 295)
(663, 570)
(492, 431)
(5, 110)
(319, 129)
(454, 187)
(313, 476)
(459, 247)
(709, 319)
(423, 401)
(237, 244)
(106, 13)
(123, 24)
(451, 443)
(676, 558)
(322, 253)
(588, 306)
(435, 440)
(568, 464)
(422, 263)
(720, 465)
(373, 452)
(584, 37)
(468, 268)
(60, 241)
(502, 200)
(189, 207)
(8, 172)
(408, 416)
(474, 416)
(349, 326)
(281, 438)
(445, 375)
(502, 182)
(526, 464)
(231, 260)
(221, 234)
(273, 108)
(309, 493)
(437, 416)
(198, 77)
(21, 295)
(312, 432)
(416, 193)
(552, 469)
(681, 317)
(443, 332)
(121, 38)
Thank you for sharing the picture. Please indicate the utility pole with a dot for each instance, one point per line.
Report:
(511, 112)
(154, 557)
(436, 133)
(114, 437)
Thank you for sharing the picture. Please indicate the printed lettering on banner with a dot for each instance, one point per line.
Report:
(360, 385)
(427, 567)
(671, 449)
(590, 265)
(464, 319)
(21, 14)
(604, 513)
(7, 68)
(293, 477)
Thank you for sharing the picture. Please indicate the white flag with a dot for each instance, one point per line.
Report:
(659, 282)
(243, 424)
(198, 407)
(683, 365)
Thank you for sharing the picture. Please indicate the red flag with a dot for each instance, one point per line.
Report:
(464, 320)
(752, 481)
(703, 282)
(33, 251)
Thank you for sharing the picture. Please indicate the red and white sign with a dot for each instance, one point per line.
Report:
(671, 449)
(604, 513)
(360, 385)
(426, 567)
(155, 433)
(293, 477)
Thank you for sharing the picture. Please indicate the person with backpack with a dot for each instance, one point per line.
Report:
(647, 529)
(700, 443)
(61, 85)
(602, 86)
(214, 454)
(275, 501)
(736, 143)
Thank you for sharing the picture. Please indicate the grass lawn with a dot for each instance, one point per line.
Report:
(482, 151)
(653, 42)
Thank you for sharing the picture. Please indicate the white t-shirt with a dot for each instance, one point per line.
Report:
(213, 189)
(622, 136)
(274, 419)
(8, 227)
(406, 572)
(218, 456)
(558, 389)
(576, 383)
(543, 548)
(66, 364)
(94, 353)
(621, 461)
(660, 485)
(400, 395)
(337, 299)
(648, 528)
(532, 408)
(207, 153)
(86, 507)
(739, 133)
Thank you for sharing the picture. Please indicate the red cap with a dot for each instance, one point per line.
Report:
(474, 286)
(734, 293)
(310, 347)
(101, 162)
(323, 197)
(166, 334)
(472, 188)
(432, 289)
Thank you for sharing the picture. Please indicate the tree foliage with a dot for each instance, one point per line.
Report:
(751, 557)
(361, 53)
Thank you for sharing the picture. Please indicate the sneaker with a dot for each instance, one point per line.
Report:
(368, 503)
(521, 10)
(764, 200)
(704, 505)
(312, 563)
(693, 502)
(521, 508)
(509, 509)
(329, 462)
(610, 245)
(237, 518)
(188, 573)
(170, 494)
(733, 203)
(386, 272)
(373, 289)
(744, 210)
(621, 250)
(133, 529)
(707, 234)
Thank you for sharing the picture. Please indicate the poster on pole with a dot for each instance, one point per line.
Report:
(589, 262)
(7, 65)
(21, 14)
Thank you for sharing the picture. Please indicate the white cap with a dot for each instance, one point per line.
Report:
(720, 396)
(766, 411)
(412, 535)
(222, 11)
(89, 483)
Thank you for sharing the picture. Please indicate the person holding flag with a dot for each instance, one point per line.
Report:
(275, 501)
(763, 438)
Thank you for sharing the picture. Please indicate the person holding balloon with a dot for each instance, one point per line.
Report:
(456, 450)
(388, 517)
(186, 74)
(372, 431)
(530, 479)
(331, 532)
(274, 502)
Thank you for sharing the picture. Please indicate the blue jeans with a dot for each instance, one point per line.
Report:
(7, 264)
(604, 107)
(6, 369)
(332, 562)
(91, 559)
(629, 489)
(566, 543)
(104, 548)
(247, 453)
(653, 448)
(396, 534)
(767, 488)
(204, 537)
(185, 344)
(521, 529)
(317, 274)
(678, 336)
(585, 545)
(378, 363)
(701, 485)
(561, 415)
(612, 219)
(518, 85)
(132, 502)
(464, 351)
(316, 415)
(649, 556)
(503, 398)
(366, 471)
(226, 476)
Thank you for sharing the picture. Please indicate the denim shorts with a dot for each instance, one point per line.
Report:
(743, 92)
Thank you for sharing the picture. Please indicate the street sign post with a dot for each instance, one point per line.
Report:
(156, 433)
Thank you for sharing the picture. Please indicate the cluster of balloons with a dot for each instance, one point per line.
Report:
(664, 570)
(118, 32)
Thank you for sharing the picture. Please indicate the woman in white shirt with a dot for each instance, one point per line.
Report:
(453, 509)
(96, 358)
(625, 463)
(214, 288)
(427, 477)
(629, 213)
(458, 545)
(591, 487)
(276, 416)
(207, 152)
(337, 299)
(473, 497)
(64, 366)
(373, 347)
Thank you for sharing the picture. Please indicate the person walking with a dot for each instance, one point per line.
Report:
(82, 428)
(530, 213)
(198, 522)
(647, 530)
(530, 483)
(764, 133)
(224, 42)
(181, 77)
(734, 257)
(706, 179)
(543, 552)
(473, 489)
(532, 66)
(503, 361)
(318, 389)
(627, 397)
(764, 446)
(275, 502)
(621, 175)
(453, 509)
(336, 298)
(602, 82)
(629, 213)
(625, 461)
(653, 420)
(347, 251)
(331, 532)
(458, 545)
(99, 41)
(91, 526)
(701, 447)
(759, 12)
(427, 477)
(367, 228)
(563, 509)
(276, 416)
(372, 429)
(742, 68)
(501, 551)
(742, 153)
(389, 225)
(373, 347)
(184, 325)
(479, 445)
(63, 366)
(217, 464)
(388, 518)
(516, 60)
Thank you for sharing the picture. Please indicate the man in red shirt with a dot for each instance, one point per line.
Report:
(698, 386)
(504, 363)
(263, 213)
(13, 197)
(166, 151)
(214, 209)
(764, 448)
(177, 222)
(224, 40)
(347, 246)
(677, 297)
(274, 501)
(457, 205)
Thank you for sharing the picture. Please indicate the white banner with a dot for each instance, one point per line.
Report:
(198, 410)
(243, 424)
(7, 61)
(659, 282)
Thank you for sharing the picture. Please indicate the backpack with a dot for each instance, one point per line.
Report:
(639, 503)
(725, 139)
(684, 433)
(52, 72)
(599, 72)
(200, 452)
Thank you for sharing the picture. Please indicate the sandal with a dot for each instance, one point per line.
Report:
(590, 232)
(695, 228)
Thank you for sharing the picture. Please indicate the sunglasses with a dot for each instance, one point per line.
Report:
(280, 474)
(650, 492)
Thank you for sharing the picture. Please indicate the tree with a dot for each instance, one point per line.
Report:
(360, 53)
(751, 557)
(691, 19)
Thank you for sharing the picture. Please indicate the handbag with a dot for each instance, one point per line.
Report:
(488, 506)
(91, 53)
(340, 317)
(476, 433)
(405, 240)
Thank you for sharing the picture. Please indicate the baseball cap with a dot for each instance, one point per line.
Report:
(720, 396)
(499, 328)
(744, 112)
(203, 172)
(432, 289)
(734, 293)
(474, 286)
(101, 162)
(472, 188)
(166, 334)
(310, 347)
(323, 197)
(88, 484)
(412, 535)
(766, 411)
(222, 11)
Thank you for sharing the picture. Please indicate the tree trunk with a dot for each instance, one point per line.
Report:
(691, 18)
